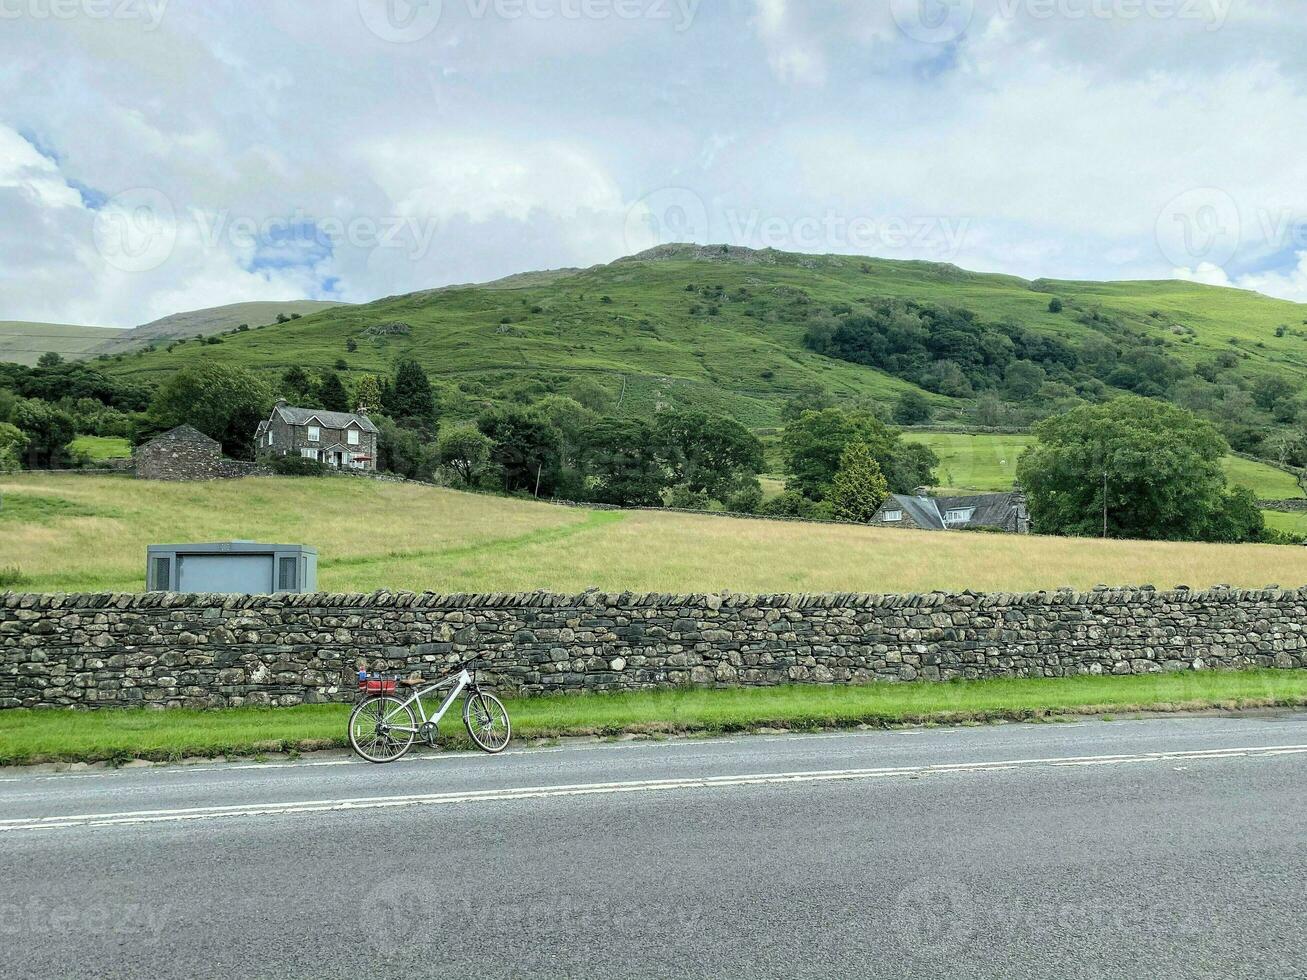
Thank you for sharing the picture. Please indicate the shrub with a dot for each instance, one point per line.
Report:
(297, 466)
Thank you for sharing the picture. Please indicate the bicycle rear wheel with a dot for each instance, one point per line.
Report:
(382, 729)
(487, 722)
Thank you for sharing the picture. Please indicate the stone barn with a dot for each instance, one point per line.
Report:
(184, 454)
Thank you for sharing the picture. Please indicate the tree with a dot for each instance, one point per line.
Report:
(46, 431)
(571, 418)
(858, 488)
(1145, 468)
(367, 397)
(296, 385)
(621, 463)
(411, 400)
(332, 394)
(12, 444)
(466, 451)
(813, 445)
(526, 447)
(813, 398)
(49, 359)
(225, 403)
(710, 454)
(1055, 305)
(912, 408)
(403, 451)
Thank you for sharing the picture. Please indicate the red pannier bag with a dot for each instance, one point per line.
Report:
(378, 685)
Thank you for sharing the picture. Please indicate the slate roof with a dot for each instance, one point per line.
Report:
(991, 509)
(329, 420)
(184, 433)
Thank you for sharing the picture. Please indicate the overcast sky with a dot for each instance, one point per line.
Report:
(163, 155)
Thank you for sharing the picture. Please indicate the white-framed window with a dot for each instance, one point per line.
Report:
(268, 438)
(352, 437)
(309, 453)
(893, 516)
(958, 516)
(315, 433)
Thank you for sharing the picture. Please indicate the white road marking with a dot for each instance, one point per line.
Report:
(92, 820)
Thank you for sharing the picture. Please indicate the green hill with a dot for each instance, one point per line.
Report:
(723, 328)
(24, 343)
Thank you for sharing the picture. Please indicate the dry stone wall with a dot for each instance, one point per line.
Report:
(93, 650)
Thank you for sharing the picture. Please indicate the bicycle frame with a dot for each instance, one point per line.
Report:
(461, 680)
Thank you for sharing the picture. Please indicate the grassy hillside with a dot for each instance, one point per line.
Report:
(65, 533)
(722, 328)
(24, 343)
(205, 322)
(988, 462)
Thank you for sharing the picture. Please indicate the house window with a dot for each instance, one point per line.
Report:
(352, 437)
(268, 439)
(309, 453)
(893, 516)
(315, 433)
(958, 516)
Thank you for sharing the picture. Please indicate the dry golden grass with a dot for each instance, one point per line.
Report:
(76, 533)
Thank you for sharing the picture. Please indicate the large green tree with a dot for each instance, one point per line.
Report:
(410, 401)
(225, 403)
(527, 449)
(859, 487)
(813, 445)
(465, 451)
(1148, 469)
(709, 454)
(332, 394)
(622, 464)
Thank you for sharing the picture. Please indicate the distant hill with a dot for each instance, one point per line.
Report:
(723, 328)
(205, 322)
(24, 342)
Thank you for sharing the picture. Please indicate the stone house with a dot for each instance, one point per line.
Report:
(185, 453)
(1006, 512)
(343, 440)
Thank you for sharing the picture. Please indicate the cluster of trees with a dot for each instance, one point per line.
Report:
(1015, 377)
(842, 464)
(1136, 468)
(42, 408)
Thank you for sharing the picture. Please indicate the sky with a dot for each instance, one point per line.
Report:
(167, 155)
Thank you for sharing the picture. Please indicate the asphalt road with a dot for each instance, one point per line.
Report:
(1158, 848)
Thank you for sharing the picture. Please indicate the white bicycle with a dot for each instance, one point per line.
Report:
(383, 726)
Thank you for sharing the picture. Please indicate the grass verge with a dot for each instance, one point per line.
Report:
(117, 736)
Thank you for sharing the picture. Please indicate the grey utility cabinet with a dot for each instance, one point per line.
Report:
(235, 567)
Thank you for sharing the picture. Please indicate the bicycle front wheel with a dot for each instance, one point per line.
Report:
(382, 729)
(487, 722)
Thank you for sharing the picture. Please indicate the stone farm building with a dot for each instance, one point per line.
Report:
(983, 512)
(340, 439)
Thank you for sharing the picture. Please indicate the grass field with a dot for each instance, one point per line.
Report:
(988, 462)
(32, 736)
(73, 533)
(100, 448)
(721, 332)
